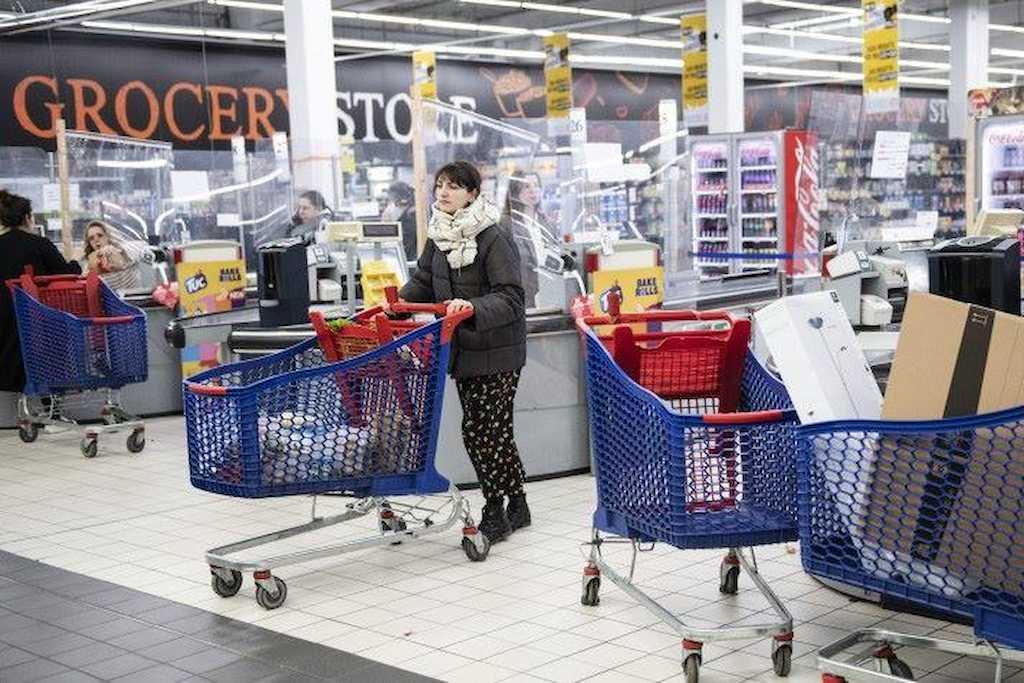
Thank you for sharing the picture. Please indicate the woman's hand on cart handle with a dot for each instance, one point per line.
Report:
(456, 306)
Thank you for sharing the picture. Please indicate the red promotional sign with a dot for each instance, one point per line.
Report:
(803, 223)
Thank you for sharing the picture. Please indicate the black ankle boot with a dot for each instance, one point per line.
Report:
(518, 512)
(493, 522)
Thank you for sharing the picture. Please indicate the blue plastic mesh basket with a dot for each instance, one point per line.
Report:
(63, 352)
(930, 512)
(667, 475)
(291, 423)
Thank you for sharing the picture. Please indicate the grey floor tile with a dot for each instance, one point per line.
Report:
(33, 633)
(139, 603)
(161, 673)
(174, 649)
(243, 670)
(70, 677)
(203, 621)
(87, 655)
(207, 660)
(31, 671)
(168, 612)
(140, 640)
(62, 643)
(109, 630)
(51, 613)
(10, 656)
(14, 622)
(108, 669)
(312, 659)
(290, 678)
(82, 622)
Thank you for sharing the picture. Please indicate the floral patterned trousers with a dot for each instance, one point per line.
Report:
(487, 432)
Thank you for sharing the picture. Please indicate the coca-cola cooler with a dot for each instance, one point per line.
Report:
(754, 203)
(1000, 155)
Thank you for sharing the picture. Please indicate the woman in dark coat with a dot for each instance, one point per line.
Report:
(20, 248)
(473, 264)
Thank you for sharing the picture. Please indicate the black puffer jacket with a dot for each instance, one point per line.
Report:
(494, 339)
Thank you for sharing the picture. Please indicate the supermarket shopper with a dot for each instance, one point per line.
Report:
(19, 247)
(401, 208)
(525, 223)
(472, 263)
(116, 261)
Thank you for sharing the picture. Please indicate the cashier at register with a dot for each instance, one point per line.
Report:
(310, 211)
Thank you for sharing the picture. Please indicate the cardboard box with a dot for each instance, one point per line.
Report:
(815, 350)
(954, 359)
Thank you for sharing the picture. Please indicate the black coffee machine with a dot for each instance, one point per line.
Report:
(283, 282)
(977, 270)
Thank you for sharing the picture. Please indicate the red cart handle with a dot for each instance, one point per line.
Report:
(112, 320)
(207, 389)
(440, 309)
(755, 417)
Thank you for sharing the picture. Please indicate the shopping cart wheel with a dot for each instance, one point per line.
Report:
(28, 431)
(390, 522)
(90, 446)
(226, 588)
(730, 584)
(267, 600)
(782, 659)
(591, 592)
(137, 440)
(899, 668)
(691, 667)
(475, 544)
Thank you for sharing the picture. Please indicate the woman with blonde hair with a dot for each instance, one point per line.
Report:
(116, 261)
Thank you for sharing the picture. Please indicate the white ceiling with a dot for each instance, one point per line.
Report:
(804, 40)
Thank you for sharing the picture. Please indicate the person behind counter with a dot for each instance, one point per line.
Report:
(116, 261)
(401, 208)
(523, 220)
(473, 264)
(19, 247)
(310, 210)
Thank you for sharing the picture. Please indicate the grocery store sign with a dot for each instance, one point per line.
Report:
(424, 74)
(881, 56)
(694, 29)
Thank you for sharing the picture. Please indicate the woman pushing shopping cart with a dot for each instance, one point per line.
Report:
(694, 446)
(354, 411)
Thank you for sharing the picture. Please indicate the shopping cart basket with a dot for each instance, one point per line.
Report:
(301, 422)
(675, 463)
(77, 336)
(930, 513)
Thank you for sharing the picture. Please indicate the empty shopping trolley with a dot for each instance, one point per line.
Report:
(353, 411)
(694, 446)
(78, 339)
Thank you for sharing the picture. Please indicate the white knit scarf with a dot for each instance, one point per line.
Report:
(455, 234)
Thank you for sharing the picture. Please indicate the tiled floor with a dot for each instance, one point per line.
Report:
(134, 521)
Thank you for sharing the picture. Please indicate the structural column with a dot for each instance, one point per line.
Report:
(312, 99)
(725, 66)
(968, 58)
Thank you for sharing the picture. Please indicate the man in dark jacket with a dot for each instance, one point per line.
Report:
(472, 264)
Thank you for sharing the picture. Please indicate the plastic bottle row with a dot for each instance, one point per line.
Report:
(757, 179)
(1013, 156)
(758, 203)
(759, 227)
(712, 182)
(714, 227)
(707, 160)
(712, 203)
(1011, 182)
(761, 156)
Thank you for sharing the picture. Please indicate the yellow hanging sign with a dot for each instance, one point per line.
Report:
(694, 29)
(881, 56)
(424, 74)
(557, 76)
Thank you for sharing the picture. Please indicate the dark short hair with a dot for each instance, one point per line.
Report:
(402, 192)
(13, 209)
(461, 173)
(314, 198)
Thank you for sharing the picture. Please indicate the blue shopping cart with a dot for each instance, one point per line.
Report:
(353, 411)
(694, 446)
(77, 337)
(930, 513)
